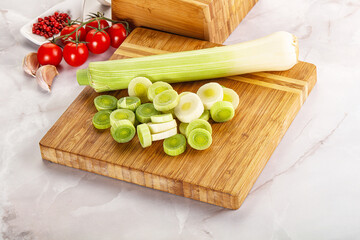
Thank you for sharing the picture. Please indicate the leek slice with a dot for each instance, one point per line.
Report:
(231, 96)
(189, 108)
(101, 119)
(175, 145)
(199, 139)
(222, 111)
(145, 111)
(166, 100)
(105, 102)
(121, 114)
(138, 87)
(205, 115)
(157, 88)
(182, 128)
(162, 127)
(163, 135)
(198, 123)
(210, 93)
(130, 103)
(167, 117)
(144, 135)
(122, 131)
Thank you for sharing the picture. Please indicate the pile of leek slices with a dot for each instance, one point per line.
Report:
(152, 107)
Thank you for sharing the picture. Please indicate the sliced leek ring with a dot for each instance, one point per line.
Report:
(182, 128)
(157, 88)
(210, 93)
(144, 135)
(199, 139)
(198, 123)
(121, 114)
(166, 100)
(162, 127)
(130, 103)
(189, 108)
(175, 145)
(101, 119)
(222, 111)
(122, 131)
(105, 102)
(145, 111)
(138, 87)
(205, 116)
(231, 96)
(164, 135)
(166, 117)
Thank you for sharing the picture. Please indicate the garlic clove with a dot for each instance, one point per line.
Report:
(45, 76)
(31, 63)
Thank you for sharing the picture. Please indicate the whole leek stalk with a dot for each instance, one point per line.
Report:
(275, 52)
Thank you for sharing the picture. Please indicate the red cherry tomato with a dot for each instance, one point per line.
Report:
(81, 33)
(95, 24)
(75, 55)
(49, 54)
(97, 42)
(117, 34)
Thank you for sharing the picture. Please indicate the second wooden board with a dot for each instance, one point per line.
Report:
(211, 20)
(223, 174)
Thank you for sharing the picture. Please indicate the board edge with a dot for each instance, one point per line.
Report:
(145, 179)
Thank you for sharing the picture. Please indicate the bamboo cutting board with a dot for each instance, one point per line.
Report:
(223, 174)
(211, 20)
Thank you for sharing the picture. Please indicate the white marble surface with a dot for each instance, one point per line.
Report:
(308, 190)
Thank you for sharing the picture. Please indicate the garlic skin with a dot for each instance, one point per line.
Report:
(31, 64)
(45, 76)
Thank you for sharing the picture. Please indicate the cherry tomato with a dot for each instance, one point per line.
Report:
(97, 42)
(117, 34)
(95, 24)
(75, 55)
(49, 54)
(81, 33)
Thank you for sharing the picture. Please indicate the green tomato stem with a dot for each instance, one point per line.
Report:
(127, 28)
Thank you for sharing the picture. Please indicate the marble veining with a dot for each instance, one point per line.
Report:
(308, 190)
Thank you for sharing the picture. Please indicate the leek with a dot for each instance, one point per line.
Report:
(275, 52)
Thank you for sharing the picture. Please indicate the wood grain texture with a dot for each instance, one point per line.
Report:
(223, 174)
(212, 20)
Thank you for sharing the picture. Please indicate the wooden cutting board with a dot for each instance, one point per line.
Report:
(223, 174)
(211, 20)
